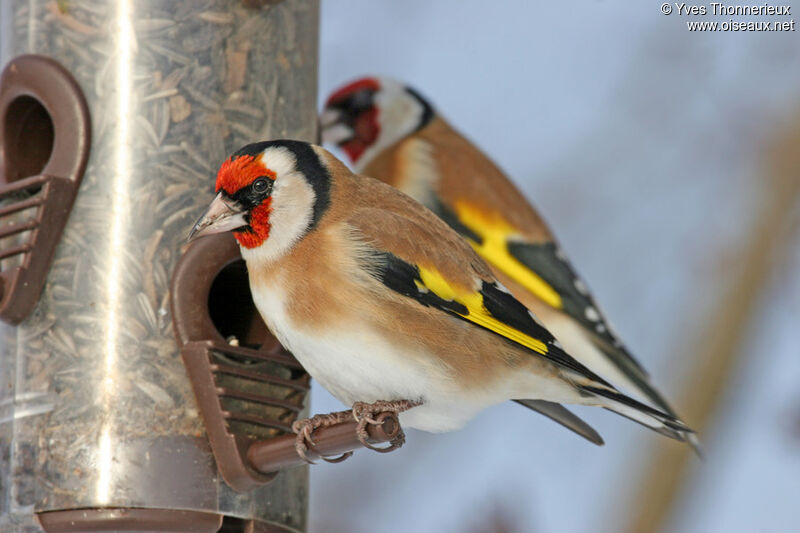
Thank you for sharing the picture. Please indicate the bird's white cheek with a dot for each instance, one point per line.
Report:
(400, 115)
(292, 208)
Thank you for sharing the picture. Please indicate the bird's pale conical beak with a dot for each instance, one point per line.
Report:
(222, 215)
(334, 127)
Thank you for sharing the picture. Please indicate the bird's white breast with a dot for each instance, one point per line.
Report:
(355, 363)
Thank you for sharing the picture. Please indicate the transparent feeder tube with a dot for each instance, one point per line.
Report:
(172, 87)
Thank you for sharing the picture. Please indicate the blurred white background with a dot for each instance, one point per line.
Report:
(642, 144)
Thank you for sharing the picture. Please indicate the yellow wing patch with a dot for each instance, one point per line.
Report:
(434, 282)
(494, 231)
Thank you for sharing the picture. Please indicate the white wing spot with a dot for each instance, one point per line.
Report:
(592, 314)
(600, 328)
(557, 344)
(560, 254)
(581, 287)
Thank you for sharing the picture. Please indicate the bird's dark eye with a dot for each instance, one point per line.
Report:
(261, 185)
(361, 100)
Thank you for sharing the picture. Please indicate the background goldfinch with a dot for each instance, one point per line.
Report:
(381, 301)
(390, 132)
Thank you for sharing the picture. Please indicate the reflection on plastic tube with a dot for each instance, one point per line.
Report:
(119, 219)
(104, 465)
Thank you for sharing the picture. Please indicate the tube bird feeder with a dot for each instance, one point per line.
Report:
(99, 428)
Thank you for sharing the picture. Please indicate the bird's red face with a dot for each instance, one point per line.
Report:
(242, 205)
(351, 118)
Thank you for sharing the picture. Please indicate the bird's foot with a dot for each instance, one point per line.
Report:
(364, 413)
(304, 429)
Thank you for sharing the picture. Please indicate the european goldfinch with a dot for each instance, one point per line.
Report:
(390, 132)
(383, 302)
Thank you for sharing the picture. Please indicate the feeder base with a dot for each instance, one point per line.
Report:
(129, 520)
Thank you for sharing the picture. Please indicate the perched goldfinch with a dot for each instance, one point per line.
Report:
(383, 302)
(391, 133)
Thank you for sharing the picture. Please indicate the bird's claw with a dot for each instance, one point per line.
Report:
(304, 429)
(364, 413)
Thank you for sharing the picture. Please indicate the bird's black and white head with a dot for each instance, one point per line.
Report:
(370, 114)
(269, 194)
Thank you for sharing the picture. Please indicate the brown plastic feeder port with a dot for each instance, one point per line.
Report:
(248, 388)
(44, 147)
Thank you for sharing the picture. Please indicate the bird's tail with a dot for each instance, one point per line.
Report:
(659, 421)
(565, 417)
